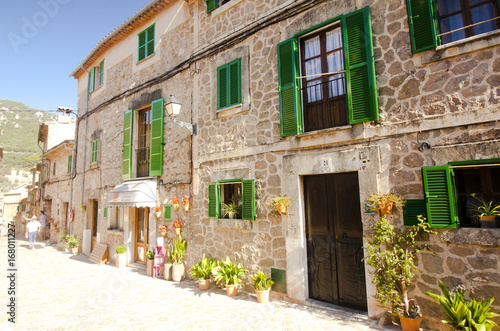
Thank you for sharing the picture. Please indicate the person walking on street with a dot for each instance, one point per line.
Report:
(43, 224)
(32, 228)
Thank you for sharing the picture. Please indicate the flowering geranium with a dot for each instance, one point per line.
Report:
(185, 200)
(158, 209)
(175, 201)
(162, 228)
(177, 224)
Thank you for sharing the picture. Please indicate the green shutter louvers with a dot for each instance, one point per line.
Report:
(167, 213)
(360, 67)
(105, 213)
(423, 25)
(248, 200)
(101, 73)
(229, 84)
(212, 5)
(95, 146)
(91, 85)
(213, 200)
(70, 163)
(290, 115)
(146, 43)
(412, 209)
(156, 149)
(440, 197)
(127, 144)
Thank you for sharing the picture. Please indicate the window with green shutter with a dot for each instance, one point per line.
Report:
(167, 213)
(412, 209)
(214, 4)
(238, 192)
(91, 83)
(105, 213)
(96, 77)
(334, 82)
(146, 43)
(127, 144)
(434, 22)
(70, 163)
(54, 168)
(95, 148)
(101, 73)
(156, 139)
(440, 196)
(229, 84)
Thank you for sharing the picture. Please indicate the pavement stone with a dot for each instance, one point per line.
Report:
(61, 291)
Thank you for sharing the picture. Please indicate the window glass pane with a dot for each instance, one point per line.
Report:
(449, 24)
(314, 90)
(333, 40)
(483, 13)
(311, 47)
(448, 6)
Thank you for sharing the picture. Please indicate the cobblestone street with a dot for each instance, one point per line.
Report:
(60, 291)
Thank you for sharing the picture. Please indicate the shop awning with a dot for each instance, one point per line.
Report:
(139, 193)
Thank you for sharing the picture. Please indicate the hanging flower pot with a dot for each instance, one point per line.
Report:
(280, 204)
(175, 203)
(282, 209)
(387, 207)
(186, 201)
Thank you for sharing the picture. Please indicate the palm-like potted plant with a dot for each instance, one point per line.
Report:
(385, 202)
(280, 204)
(121, 257)
(393, 256)
(231, 274)
(202, 271)
(178, 251)
(485, 211)
(231, 209)
(262, 285)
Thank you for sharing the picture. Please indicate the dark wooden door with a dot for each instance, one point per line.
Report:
(141, 234)
(335, 239)
(95, 214)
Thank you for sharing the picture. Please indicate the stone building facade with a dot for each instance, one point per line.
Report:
(401, 110)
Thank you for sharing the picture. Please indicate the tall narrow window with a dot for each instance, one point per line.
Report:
(146, 43)
(144, 143)
(95, 147)
(229, 84)
(101, 73)
(70, 163)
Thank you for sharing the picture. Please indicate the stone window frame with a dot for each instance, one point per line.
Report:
(228, 56)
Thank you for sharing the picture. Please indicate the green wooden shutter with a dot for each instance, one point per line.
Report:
(127, 144)
(423, 25)
(95, 145)
(222, 87)
(234, 72)
(54, 169)
(248, 200)
(211, 5)
(91, 80)
(167, 213)
(156, 149)
(142, 46)
(101, 73)
(360, 67)
(290, 112)
(213, 200)
(105, 213)
(70, 163)
(440, 197)
(412, 209)
(150, 40)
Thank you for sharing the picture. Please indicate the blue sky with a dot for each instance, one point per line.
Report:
(42, 41)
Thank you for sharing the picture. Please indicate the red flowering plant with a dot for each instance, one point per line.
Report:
(162, 228)
(175, 201)
(185, 200)
(177, 224)
(157, 209)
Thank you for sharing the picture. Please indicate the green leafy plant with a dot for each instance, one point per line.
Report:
(150, 255)
(260, 281)
(121, 249)
(63, 236)
(379, 200)
(231, 209)
(280, 204)
(178, 250)
(469, 316)
(73, 241)
(230, 273)
(484, 208)
(203, 269)
(393, 267)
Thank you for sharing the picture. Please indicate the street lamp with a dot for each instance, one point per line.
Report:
(173, 109)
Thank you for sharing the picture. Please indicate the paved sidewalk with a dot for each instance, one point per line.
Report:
(60, 291)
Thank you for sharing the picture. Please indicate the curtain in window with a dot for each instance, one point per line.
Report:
(483, 13)
(312, 51)
(335, 62)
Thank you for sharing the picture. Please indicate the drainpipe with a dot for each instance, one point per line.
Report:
(85, 140)
(71, 184)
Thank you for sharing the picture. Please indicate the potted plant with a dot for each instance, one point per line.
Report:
(163, 230)
(186, 200)
(62, 242)
(485, 211)
(158, 212)
(177, 226)
(231, 274)
(167, 267)
(149, 262)
(393, 256)
(202, 271)
(231, 209)
(462, 315)
(262, 285)
(280, 204)
(385, 202)
(121, 256)
(175, 203)
(82, 208)
(72, 243)
(178, 251)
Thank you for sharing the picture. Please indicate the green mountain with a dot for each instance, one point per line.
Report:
(19, 139)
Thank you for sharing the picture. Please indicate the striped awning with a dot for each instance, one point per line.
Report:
(139, 193)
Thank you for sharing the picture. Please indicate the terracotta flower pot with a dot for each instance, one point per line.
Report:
(177, 272)
(387, 208)
(158, 214)
(263, 296)
(410, 324)
(488, 221)
(232, 290)
(282, 209)
(203, 284)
